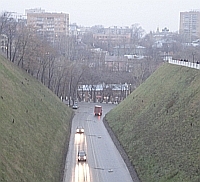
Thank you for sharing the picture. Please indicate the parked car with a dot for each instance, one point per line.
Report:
(80, 130)
(81, 155)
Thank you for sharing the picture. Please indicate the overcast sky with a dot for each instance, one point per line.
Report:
(149, 14)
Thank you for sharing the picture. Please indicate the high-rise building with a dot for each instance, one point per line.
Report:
(190, 25)
(52, 26)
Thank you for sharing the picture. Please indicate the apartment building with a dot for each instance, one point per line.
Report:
(190, 25)
(52, 26)
(114, 34)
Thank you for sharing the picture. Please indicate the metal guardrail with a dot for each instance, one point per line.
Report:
(185, 63)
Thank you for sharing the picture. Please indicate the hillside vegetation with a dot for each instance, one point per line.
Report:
(158, 125)
(34, 128)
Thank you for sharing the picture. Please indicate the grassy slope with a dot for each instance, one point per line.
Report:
(158, 125)
(31, 148)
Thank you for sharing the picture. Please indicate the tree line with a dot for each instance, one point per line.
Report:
(66, 64)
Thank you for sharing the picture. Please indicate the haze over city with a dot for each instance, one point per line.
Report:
(148, 14)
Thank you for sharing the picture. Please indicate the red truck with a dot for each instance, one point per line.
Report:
(97, 110)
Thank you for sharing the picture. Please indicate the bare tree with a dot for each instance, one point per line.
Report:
(8, 27)
(4, 21)
(136, 34)
(25, 42)
(11, 32)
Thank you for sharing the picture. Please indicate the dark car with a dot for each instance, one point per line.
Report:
(80, 130)
(81, 155)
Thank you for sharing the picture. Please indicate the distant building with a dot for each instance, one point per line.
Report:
(116, 63)
(52, 26)
(114, 34)
(190, 25)
(104, 92)
(35, 10)
(4, 42)
(73, 30)
(132, 49)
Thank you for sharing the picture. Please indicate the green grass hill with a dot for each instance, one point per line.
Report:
(159, 125)
(34, 128)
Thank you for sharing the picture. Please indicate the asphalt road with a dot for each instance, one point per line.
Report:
(104, 163)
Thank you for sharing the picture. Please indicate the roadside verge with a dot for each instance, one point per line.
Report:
(122, 152)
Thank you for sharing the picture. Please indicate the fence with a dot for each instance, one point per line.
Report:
(185, 63)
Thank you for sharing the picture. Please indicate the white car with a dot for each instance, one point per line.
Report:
(75, 106)
(80, 130)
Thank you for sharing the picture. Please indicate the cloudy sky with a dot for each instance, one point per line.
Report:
(149, 14)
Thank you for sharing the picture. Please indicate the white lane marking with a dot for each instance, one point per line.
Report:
(92, 147)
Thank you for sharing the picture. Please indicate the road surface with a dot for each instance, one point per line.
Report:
(104, 163)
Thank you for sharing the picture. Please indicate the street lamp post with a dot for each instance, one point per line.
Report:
(193, 54)
(126, 89)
